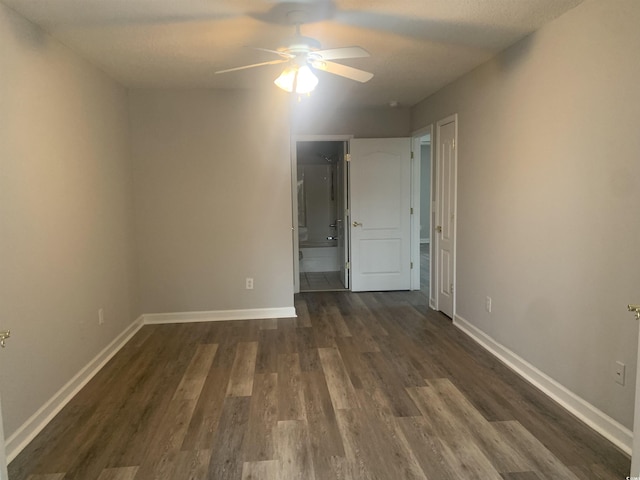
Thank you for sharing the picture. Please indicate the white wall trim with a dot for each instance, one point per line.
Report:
(606, 426)
(36, 423)
(219, 315)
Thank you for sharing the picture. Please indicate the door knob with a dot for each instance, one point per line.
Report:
(635, 309)
(356, 224)
(3, 336)
(439, 229)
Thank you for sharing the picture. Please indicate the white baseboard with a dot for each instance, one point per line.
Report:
(219, 315)
(34, 425)
(606, 426)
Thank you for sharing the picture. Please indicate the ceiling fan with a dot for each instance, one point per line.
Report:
(303, 55)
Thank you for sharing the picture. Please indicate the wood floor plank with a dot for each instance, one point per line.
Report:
(191, 465)
(365, 339)
(206, 415)
(360, 308)
(472, 463)
(267, 355)
(400, 361)
(338, 381)
(371, 451)
(303, 319)
(336, 320)
(521, 476)
(307, 350)
(391, 443)
(294, 452)
(94, 435)
(435, 458)
(291, 400)
(163, 448)
(266, 470)
(111, 429)
(191, 384)
(286, 338)
(244, 365)
(356, 365)
(323, 332)
(320, 415)
(47, 476)
(594, 471)
(268, 324)
(388, 381)
(259, 444)
(121, 473)
(226, 452)
(467, 419)
(543, 461)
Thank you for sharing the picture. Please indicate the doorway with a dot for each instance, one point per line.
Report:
(424, 213)
(321, 198)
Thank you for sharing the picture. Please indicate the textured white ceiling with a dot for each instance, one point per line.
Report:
(417, 46)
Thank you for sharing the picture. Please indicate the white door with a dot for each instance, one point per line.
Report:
(380, 195)
(445, 217)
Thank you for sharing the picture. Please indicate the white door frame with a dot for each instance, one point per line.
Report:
(436, 273)
(416, 206)
(294, 195)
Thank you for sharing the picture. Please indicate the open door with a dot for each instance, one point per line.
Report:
(445, 230)
(380, 196)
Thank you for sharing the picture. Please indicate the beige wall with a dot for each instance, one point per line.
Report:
(213, 199)
(66, 232)
(548, 222)
(316, 116)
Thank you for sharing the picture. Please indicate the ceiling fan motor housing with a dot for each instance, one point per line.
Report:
(300, 44)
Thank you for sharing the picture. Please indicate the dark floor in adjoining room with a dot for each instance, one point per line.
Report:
(359, 386)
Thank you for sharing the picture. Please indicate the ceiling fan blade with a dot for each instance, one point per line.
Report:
(343, 70)
(272, 62)
(282, 54)
(340, 53)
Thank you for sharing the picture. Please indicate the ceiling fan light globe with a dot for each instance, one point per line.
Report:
(300, 79)
(307, 81)
(286, 79)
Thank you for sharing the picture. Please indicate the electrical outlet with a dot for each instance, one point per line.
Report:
(487, 304)
(620, 372)
(249, 283)
(100, 316)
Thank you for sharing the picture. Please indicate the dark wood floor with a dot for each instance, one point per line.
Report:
(320, 281)
(359, 386)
